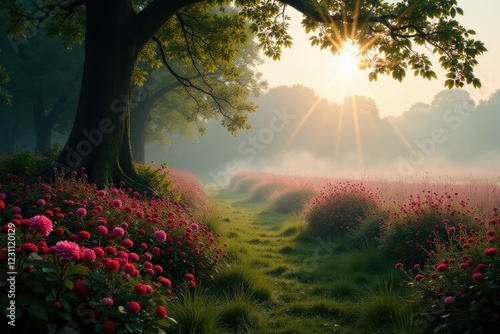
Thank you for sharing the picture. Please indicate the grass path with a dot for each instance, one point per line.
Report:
(317, 285)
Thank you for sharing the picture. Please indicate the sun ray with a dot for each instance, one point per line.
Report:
(298, 127)
(357, 132)
(400, 134)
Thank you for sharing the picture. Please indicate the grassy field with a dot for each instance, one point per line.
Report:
(291, 282)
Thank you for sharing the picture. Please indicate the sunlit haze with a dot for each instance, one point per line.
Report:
(333, 76)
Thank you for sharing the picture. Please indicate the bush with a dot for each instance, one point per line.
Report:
(368, 231)
(98, 258)
(158, 178)
(24, 163)
(338, 209)
(264, 191)
(459, 290)
(292, 201)
(411, 232)
(238, 314)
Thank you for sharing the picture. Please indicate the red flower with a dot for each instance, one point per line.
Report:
(419, 277)
(127, 243)
(164, 281)
(108, 326)
(192, 284)
(42, 225)
(490, 251)
(140, 289)
(161, 312)
(398, 265)
(81, 288)
(477, 277)
(29, 247)
(134, 307)
(84, 235)
(448, 300)
(441, 267)
(129, 268)
(160, 235)
(112, 265)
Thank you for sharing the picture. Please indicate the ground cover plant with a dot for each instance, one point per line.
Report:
(97, 260)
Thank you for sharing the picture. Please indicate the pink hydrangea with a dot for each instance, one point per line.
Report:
(67, 250)
(41, 225)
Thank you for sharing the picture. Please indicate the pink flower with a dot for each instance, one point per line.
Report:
(451, 229)
(67, 250)
(448, 300)
(134, 307)
(80, 212)
(116, 203)
(42, 225)
(107, 301)
(118, 231)
(160, 235)
(101, 230)
(40, 202)
(419, 277)
(398, 265)
(88, 255)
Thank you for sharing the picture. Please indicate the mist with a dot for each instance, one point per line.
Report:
(296, 132)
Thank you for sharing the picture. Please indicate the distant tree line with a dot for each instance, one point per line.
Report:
(450, 131)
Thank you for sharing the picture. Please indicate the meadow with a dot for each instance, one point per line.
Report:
(269, 254)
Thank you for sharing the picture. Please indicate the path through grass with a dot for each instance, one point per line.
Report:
(315, 285)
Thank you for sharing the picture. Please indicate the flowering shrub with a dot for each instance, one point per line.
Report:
(459, 291)
(97, 260)
(339, 208)
(410, 233)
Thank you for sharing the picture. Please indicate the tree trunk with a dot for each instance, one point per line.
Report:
(140, 120)
(99, 142)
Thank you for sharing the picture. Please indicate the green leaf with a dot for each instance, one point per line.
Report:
(65, 314)
(52, 328)
(65, 304)
(77, 270)
(69, 284)
(453, 12)
(38, 311)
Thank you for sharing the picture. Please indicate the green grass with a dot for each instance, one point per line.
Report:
(292, 282)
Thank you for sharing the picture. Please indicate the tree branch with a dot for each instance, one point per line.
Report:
(148, 21)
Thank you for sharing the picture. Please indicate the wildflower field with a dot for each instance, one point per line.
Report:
(270, 254)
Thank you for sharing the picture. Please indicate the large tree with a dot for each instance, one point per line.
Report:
(393, 36)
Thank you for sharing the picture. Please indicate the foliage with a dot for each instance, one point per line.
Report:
(368, 232)
(24, 163)
(158, 178)
(5, 97)
(338, 208)
(292, 201)
(79, 245)
(458, 291)
(410, 233)
(238, 314)
(195, 313)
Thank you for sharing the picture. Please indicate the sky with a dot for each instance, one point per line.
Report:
(319, 69)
